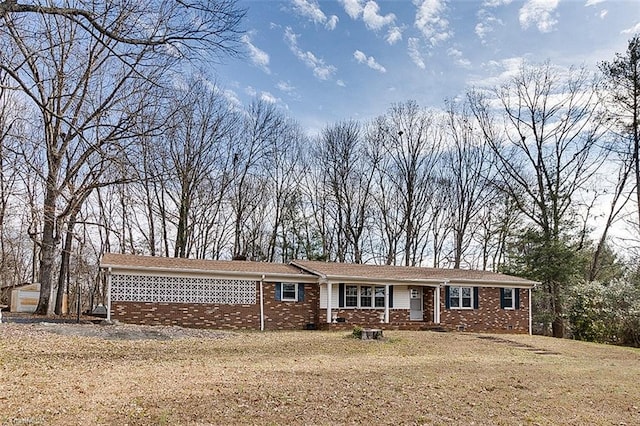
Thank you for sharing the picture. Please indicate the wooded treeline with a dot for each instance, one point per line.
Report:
(108, 144)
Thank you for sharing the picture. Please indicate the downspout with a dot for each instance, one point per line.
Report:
(386, 303)
(109, 294)
(530, 316)
(262, 303)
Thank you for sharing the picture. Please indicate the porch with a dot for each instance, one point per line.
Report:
(400, 307)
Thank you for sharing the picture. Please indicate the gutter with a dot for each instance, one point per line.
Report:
(254, 276)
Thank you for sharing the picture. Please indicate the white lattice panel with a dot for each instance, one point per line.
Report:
(135, 288)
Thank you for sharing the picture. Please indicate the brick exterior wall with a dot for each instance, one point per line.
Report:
(489, 317)
(285, 315)
(278, 315)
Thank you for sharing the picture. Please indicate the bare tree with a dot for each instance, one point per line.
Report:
(344, 158)
(622, 77)
(467, 166)
(81, 64)
(262, 123)
(412, 143)
(195, 150)
(547, 150)
(284, 172)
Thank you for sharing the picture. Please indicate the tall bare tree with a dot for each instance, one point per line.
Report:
(547, 150)
(467, 166)
(81, 63)
(412, 143)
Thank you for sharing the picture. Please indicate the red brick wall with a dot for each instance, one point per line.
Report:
(489, 317)
(290, 315)
(278, 315)
(365, 316)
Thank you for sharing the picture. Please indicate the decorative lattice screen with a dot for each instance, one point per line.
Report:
(134, 288)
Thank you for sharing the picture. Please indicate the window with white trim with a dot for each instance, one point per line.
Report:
(508, 298)
(351, 296)
(364, 296)
(379, 297)
(289, 292)
(461, 297)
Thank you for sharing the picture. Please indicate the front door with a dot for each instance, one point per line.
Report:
(415, 304)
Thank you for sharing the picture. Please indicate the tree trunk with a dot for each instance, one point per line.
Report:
(48, 247)
(63, 277)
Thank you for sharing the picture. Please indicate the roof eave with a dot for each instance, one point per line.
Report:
(248, 275)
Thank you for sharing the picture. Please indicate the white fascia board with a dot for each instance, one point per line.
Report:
(235, 275)
(492, 283)
(342, 279)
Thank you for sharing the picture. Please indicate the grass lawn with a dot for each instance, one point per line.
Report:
(312, 377)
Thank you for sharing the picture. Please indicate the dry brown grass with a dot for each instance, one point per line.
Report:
(314, 378)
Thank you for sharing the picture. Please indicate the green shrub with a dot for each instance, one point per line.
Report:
(357, 332)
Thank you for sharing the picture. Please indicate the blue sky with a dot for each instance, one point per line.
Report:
(326, 61)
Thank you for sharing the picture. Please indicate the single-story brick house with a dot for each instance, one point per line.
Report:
(310, 294)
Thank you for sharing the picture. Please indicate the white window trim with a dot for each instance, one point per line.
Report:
(288, 299)
(460, 307)
(359, 300)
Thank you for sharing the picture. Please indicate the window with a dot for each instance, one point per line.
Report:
(508, 298)
(379, 295)
(289, 292)
(364, 296)
(351, 296)
(460, 297)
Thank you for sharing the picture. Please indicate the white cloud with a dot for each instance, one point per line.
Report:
(459, 57)
(487, 23)
(352, 7)
(414, 52)
(286, 87)
(539, 13)
(633, 30)
(332, 22)
(341, 83)
(370, 61)
(372, 18)
(496, 3)
(232, 98)
(259, 57)
(310, 9)
(394, 35)
(499, 72)
(321, 70)
(593, 2)
(268, 97)
(430, 20)
(603, 13)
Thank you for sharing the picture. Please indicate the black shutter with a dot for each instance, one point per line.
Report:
(300, 292)
(476, 302)
(278, 291)
(391, 296)
(340, 295)
(447, 302)
(517, 296)
(501, 298)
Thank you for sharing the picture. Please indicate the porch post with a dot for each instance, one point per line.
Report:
(109, 294)
(386, 303)
(436, 305)
(329, 299)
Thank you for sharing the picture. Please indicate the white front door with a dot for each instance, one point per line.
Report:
(415, 304)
